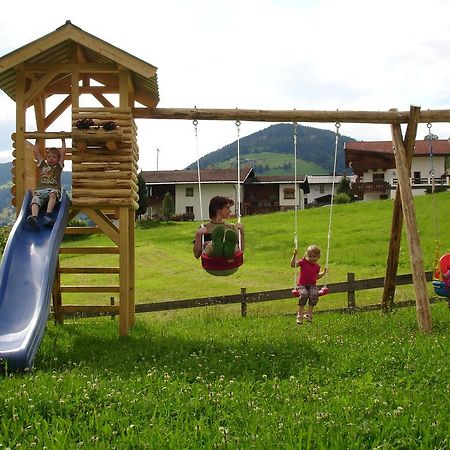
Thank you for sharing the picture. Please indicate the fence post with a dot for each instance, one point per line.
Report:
(244, 302)
(351, 298)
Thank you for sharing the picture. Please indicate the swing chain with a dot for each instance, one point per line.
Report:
(430, 136)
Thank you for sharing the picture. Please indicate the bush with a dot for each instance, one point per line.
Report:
(437, 189)
(341, 198)
(4, 233)
(76, 222)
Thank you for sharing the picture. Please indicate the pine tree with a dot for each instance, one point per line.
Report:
(167, 207)
(143, 196)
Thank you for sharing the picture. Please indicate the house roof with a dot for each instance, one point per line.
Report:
(60, 46)
(267, 179)
(362, 156)
(440, 147)
(191, 176)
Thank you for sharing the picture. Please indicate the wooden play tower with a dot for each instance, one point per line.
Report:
(73, 65)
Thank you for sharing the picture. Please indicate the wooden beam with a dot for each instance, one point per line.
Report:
(94, 90)
(66, 103)
(89, 250)
(103, 100)
(412, 234)
(100, 219)
(124, 263)
(44, 135)
(397, 219)
(89, 270)
(132, 267)
(75, 90)
(38, 85)
(98, 309)
(389, 117)
(71, 67)
(106, 288)
(20, 163)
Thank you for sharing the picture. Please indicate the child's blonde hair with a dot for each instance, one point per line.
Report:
(53, 150)
(312, 250)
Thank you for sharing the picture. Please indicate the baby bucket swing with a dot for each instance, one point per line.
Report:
(221, 265)
(324, 290)
(441, 263)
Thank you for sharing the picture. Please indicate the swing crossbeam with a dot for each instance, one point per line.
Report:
(261, 115)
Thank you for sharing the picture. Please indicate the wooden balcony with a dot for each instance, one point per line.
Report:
(371, 186)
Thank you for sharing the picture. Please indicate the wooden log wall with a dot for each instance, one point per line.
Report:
(30, 170)
(105, 164)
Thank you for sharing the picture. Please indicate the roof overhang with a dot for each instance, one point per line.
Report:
(70, 46)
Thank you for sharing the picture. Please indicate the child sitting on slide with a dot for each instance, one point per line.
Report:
(48, 190)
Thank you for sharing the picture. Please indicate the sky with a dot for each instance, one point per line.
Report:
(257, 54)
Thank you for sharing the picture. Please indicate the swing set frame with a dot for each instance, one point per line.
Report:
(403, 147)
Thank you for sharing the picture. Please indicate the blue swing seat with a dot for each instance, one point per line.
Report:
(440, 288)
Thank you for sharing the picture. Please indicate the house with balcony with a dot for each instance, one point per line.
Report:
(373, 163)
(258, 194)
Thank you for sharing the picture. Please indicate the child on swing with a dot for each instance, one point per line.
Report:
(446, 279)
(308, 292)
(217, 237)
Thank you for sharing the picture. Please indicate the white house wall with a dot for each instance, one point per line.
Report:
(422, 165)
(288, 202)
(208, 191)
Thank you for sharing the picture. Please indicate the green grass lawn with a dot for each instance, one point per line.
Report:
(166, 269)
(209, 381)
(206, 378)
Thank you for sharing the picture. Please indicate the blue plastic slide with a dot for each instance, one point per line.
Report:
(26, 280)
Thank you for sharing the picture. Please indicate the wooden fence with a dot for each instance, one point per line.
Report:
(351, 286)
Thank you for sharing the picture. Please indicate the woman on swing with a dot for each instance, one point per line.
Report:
(217, 238)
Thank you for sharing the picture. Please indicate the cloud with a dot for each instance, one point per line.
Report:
(265, 54)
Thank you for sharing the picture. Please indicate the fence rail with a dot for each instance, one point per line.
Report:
(351, 286)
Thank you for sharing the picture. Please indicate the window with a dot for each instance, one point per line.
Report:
(416, 177)
(322, 189)
(189, 192)
(289, 194)
(377, 177)
(189, 210)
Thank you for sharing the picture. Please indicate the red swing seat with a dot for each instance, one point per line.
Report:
(439, 285)
(221, 266)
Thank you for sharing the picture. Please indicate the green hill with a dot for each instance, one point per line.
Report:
(271, 151)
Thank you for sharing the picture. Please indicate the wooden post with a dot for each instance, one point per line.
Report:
(124, 274)
(351, 297)
(409, 216)
(19, 161)
(132, 264)
(56, 294)
(243, 302)
(397, 219)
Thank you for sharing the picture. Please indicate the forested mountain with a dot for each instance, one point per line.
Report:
(314, 146)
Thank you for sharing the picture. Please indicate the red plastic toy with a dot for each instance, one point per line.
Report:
(221, 266)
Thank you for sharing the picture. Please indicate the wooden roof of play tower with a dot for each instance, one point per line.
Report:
(91, 56)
